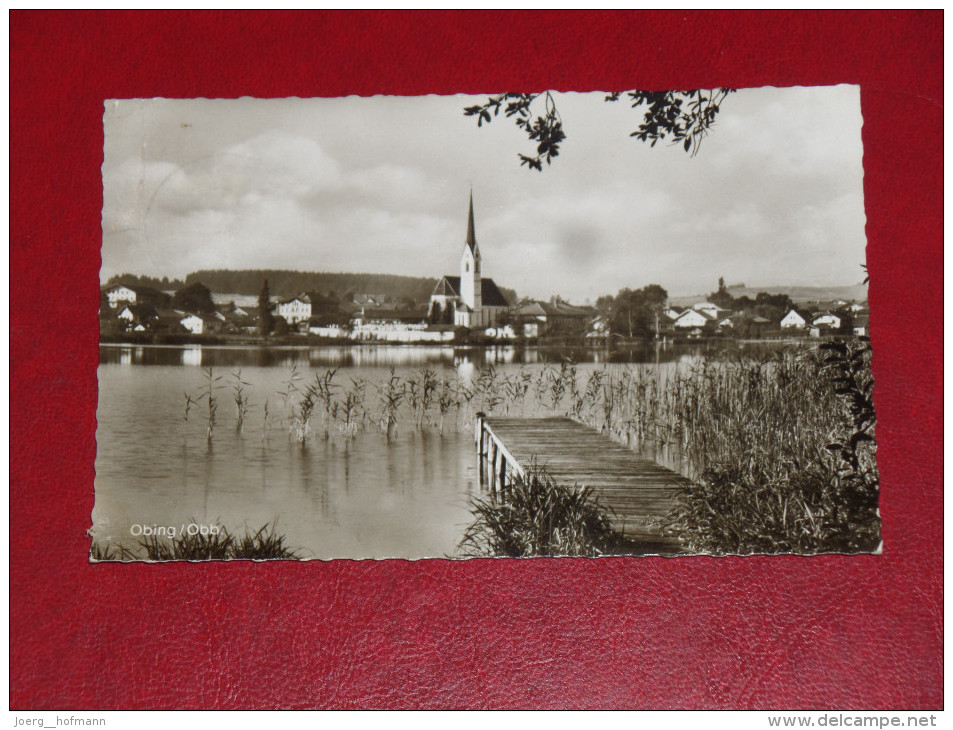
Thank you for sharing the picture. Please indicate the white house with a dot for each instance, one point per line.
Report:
(294, 310)
(692, 319)
(502, 333)
(193, 324)
(468, 300)
(120, 293)
(827, 319)
(793, 320)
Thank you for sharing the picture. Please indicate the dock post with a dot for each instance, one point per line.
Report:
(481, 445)
(493, 454)
(480, 433)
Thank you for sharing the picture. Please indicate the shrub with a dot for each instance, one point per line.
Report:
(535, 517)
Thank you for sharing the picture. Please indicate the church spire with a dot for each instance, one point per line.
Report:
(471, 229)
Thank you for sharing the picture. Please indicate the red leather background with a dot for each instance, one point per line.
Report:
(783, 632)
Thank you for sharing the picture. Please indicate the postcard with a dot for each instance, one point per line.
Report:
(509, 325)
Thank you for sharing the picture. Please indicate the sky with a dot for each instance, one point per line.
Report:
(774, 196)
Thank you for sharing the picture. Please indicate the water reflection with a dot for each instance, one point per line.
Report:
(192, 356)
(385, 356)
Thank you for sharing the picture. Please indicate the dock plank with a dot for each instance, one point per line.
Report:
(637, 491)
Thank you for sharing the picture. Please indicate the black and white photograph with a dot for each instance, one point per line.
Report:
(549, 324)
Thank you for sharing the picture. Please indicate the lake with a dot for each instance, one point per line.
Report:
(332, 480)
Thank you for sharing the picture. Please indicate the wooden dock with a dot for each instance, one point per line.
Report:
(638, 492)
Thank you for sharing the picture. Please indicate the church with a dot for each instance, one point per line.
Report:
(467, 300)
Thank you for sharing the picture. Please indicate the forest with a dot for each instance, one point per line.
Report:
(285, 283)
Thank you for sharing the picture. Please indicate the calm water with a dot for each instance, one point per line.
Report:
(366, 496)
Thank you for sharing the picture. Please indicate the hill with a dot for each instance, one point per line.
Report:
(287, 283)
(798, 294)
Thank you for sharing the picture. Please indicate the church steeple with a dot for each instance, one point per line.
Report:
(471, 288)
(471, 228)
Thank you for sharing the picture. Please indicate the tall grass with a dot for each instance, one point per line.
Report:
(390, 394)
(785, 454)
(240, 399)
(535, 516)
(208, 394)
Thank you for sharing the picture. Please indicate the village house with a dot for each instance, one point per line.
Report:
(396, 325)
(193, 323)
(468, 300)
(793, 320)
(826, 319)
(712, 311)
(118, 294)
(333, 325)
(294, 310)
(537, 319)
(694, 323)
(825, 324)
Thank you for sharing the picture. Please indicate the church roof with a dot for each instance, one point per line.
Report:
(448, 286)
(489, 292)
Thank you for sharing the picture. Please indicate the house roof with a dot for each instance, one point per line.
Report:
(141, 311)
(300, 297)
(705, 315)
(141, 291)
(333, 318)
(396, 315)
(489, 291)
(560, 309)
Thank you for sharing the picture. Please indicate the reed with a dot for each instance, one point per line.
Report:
(287, 394)
(390, 394)
(784, 453)
(264, 544)
(189, 547)
(351, 405)
(208, 393)
(301, 422)
(538, 517)
(240, 399)
(325, 393)
(189, 402)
